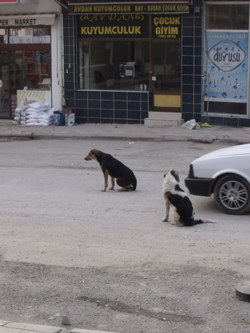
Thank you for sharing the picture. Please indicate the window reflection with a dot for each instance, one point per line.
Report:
(3, 36)
(167, 67)
(232, 17)
(113, 65)
(31, 69)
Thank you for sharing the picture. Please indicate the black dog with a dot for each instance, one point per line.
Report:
(116, 169)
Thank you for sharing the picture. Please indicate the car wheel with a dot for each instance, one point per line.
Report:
(232, 195)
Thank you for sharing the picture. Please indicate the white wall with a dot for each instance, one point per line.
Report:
(47, 6)
(43, 6)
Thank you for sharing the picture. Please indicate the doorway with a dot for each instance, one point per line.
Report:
(166, 77)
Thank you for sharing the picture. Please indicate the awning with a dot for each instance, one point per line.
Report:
(62, 3)
(5, 2)
(129, 7)
(75, 2)
(26, 20)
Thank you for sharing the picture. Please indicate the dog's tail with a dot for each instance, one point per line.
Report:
(202, 221)
(198, 221)
(134, 185)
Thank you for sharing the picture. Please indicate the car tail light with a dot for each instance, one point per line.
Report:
(191, 171)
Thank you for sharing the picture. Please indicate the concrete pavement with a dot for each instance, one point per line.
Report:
(237, 135)
(12, 327)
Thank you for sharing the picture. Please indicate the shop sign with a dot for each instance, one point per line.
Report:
(145, 8)
(166, 26)
(27, 20)
(112, 26)
(25, 97)
(227, 66)
(8, 1)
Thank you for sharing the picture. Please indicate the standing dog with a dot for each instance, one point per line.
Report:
(115, 169)
(176, 199)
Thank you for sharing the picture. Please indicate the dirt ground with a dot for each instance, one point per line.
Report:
(152, 298)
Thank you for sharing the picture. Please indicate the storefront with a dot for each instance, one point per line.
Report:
(30, 54)
(226, 62)
(124, 59)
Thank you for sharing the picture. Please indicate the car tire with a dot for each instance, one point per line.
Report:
(232, 194)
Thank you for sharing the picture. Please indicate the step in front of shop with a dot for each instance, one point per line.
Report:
(161, 119)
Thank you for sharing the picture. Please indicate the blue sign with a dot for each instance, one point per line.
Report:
(227, 66)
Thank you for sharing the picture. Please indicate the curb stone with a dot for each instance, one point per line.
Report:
(130, 133)
(243, 141)
(33, 136)
(15, 327)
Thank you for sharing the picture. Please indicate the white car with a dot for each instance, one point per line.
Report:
(226, 173)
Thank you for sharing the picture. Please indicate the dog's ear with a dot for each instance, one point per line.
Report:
(94, 152)
(175, 174)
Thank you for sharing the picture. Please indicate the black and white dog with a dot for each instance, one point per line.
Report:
(177, 200)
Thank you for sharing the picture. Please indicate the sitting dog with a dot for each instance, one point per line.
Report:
(115, 169)
(176, 199)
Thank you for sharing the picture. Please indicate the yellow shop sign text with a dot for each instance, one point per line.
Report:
(102, 9)
(166, 26)
(153, 8)
(115, 30)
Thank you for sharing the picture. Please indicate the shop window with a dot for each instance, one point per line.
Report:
(115, 65)
(27, 35)
(25, 63)
(226, 59)
(3, 36)
(30, 70)
(228, 17)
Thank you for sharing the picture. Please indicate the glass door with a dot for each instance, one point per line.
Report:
(4, 85)
(166, 78)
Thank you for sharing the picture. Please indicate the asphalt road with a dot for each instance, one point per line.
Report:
(105, 259)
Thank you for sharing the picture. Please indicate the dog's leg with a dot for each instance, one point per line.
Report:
(105, 173)
(178, 220)
(167, 204)
(112, 183)
(172, 215)
(123, 184)
(124, 189)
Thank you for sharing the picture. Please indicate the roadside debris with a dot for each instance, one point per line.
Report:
(205, 125)
(192, 124)
(243, 291)
(65, 320)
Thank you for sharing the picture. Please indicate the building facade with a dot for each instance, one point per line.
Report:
(184, 59)
(30, 54)
(125, 62)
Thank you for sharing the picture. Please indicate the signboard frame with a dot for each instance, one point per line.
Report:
(145, 7)
(227, 66)
(8, 2)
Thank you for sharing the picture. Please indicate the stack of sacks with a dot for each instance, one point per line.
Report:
(46, 118)
(33, 111)
(18, 115)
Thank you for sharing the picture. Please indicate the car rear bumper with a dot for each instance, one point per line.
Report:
(199, 186)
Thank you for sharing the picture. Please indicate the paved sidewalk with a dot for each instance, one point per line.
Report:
(226, 134)
(12, 327)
